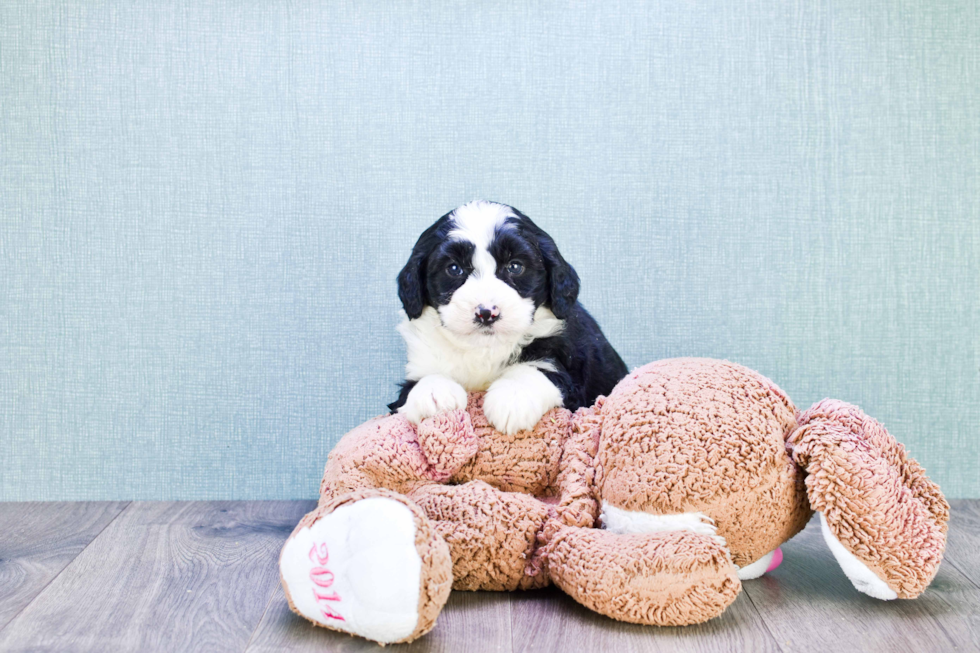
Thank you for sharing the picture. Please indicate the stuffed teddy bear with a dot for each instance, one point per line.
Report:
(651, 506)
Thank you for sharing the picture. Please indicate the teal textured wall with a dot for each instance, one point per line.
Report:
(204, 205)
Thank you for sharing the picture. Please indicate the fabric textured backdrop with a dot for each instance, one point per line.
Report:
(204, 206)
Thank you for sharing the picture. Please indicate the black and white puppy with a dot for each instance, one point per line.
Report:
(492, 305)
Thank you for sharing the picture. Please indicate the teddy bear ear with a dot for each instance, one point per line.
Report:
(884, 520)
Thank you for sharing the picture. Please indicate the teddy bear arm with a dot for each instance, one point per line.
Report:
(672, 578)
(447, 442)
(386, 452)
(577, 505)
(492, 535)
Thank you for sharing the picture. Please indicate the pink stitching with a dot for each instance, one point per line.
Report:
(323, 577)
(325, 611)
(322, 556)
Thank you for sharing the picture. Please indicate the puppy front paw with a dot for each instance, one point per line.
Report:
(517, 400)
(433, 394)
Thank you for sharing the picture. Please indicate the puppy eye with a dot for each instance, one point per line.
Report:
(454, 270)
(515, 267)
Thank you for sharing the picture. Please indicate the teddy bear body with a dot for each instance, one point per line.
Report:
(687, 469)
(683, 436)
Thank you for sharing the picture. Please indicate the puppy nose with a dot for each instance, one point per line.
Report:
(487, 316)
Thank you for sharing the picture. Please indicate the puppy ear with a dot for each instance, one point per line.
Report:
(410, 289)
(411, 279)
(563, 283)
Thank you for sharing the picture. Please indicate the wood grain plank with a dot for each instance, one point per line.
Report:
(163, 577)
(128, 590)
(477, 622)
(548, 620)
(809, 605)
(963, 543)
(38, 540)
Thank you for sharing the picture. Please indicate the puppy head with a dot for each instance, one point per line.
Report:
(486, 268)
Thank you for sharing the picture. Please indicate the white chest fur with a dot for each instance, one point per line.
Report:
(474, 363)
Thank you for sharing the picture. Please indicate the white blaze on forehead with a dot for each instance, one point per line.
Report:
(476, 222)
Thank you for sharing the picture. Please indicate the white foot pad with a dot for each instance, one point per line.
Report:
(757, 568)
(863, 579)
(357, 570)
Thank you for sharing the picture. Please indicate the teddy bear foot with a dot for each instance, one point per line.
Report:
(667, 578)
(762, 566)
(369, 564)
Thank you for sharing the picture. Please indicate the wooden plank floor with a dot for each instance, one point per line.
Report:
(202, 576)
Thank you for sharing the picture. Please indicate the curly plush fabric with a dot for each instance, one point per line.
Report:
(704, 436)
(526, 462)
(706, 461)
(456, 446)
(877, 501)
(658, 579)
(491, 534)
(577, 505)
(384, 452)
(448, 441)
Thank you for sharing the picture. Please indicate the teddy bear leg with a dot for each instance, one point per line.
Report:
(667, 578)
(882, 518)
(367, 563)
(492, 535)
(762, 566)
